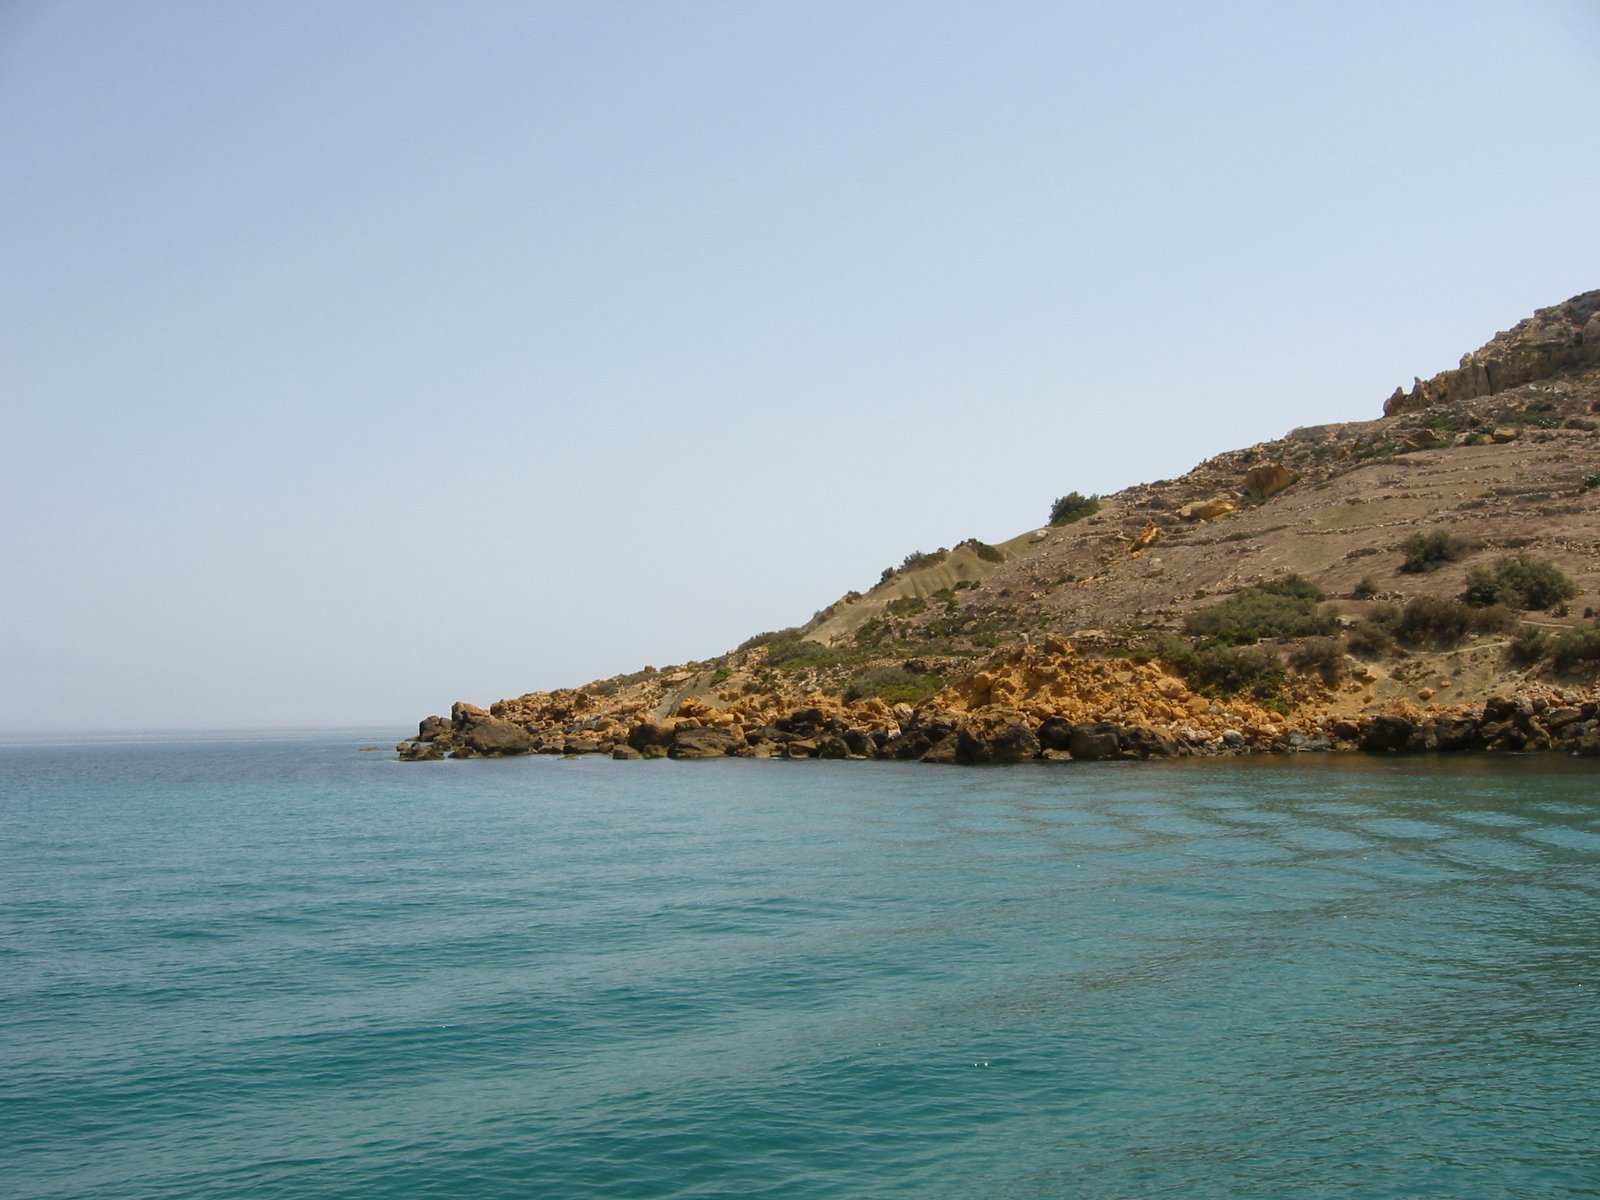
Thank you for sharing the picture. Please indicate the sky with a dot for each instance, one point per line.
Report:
(356, 358)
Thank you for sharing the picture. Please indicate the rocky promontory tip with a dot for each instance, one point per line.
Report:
(1423, 582)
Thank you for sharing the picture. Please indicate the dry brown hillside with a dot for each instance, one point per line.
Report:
(1093, 622)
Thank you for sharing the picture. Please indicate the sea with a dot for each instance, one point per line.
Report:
(287, 966)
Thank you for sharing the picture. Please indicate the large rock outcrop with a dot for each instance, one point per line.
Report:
(1552, 340)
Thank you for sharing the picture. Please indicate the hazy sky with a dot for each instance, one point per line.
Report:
(361, 357)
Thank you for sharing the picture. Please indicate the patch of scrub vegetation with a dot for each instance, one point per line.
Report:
(1323, 657)
(1541, 414)
(917, 558)
(1429, 551)
(1373, 635)
(1574, 648)
(984, 550)
(764, 639)
(1074, 506)
(795, 653)
(907, 606)
(894, 685)
(1222, 671)
(1440, 621)
(1288, 607)
(1519, 581)
(1528, 645)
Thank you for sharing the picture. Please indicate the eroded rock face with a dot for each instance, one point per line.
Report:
(1553, 339)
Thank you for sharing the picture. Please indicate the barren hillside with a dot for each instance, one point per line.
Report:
(1090, 637)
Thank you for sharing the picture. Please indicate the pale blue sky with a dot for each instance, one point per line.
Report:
(357, 358)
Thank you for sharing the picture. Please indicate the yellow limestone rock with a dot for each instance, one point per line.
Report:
(1208, 510)
(1267, 480)
(1149, 537)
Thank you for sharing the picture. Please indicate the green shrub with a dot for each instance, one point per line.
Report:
(1366, 589)
(1520, 581)
(1370, 639)
(894, 685)
(1385, 616)
(1528, 645)
(984, 551)
(1439, 621)
(1229, 670)
(1281, 608)
(1572, 648)
(772, 635)
(1295, 586)
(1430, 551)
(1073, 507)
(1433, 620)
(906, 606)
(795, 653)
(1322, 656)
(1495, 618)
(920, 558)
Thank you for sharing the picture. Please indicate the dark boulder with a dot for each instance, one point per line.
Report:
(1055, 733)
(495, 736)
(1497, 709)
(1096, 740)
(935, 723)
(431, 729)
(1385, 733)
(650, 733)
(803, 721)
(912, 744)
(419, 751)
(1451, 734)
(832, 746)
(943, 751)
(1011, 744)
(859, 742)
(703, 742)
(1503, 735)
(1145, 742)
(768, 733)
(1558, 719)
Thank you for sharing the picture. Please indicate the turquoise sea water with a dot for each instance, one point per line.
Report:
(276, 967)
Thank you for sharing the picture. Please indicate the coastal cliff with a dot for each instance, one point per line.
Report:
(1423, 581)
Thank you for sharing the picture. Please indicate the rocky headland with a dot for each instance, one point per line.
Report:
(1424, 581)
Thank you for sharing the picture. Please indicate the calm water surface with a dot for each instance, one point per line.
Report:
(275, 967)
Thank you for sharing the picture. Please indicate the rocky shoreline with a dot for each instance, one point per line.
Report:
(1550, 721)
(1425, 582)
